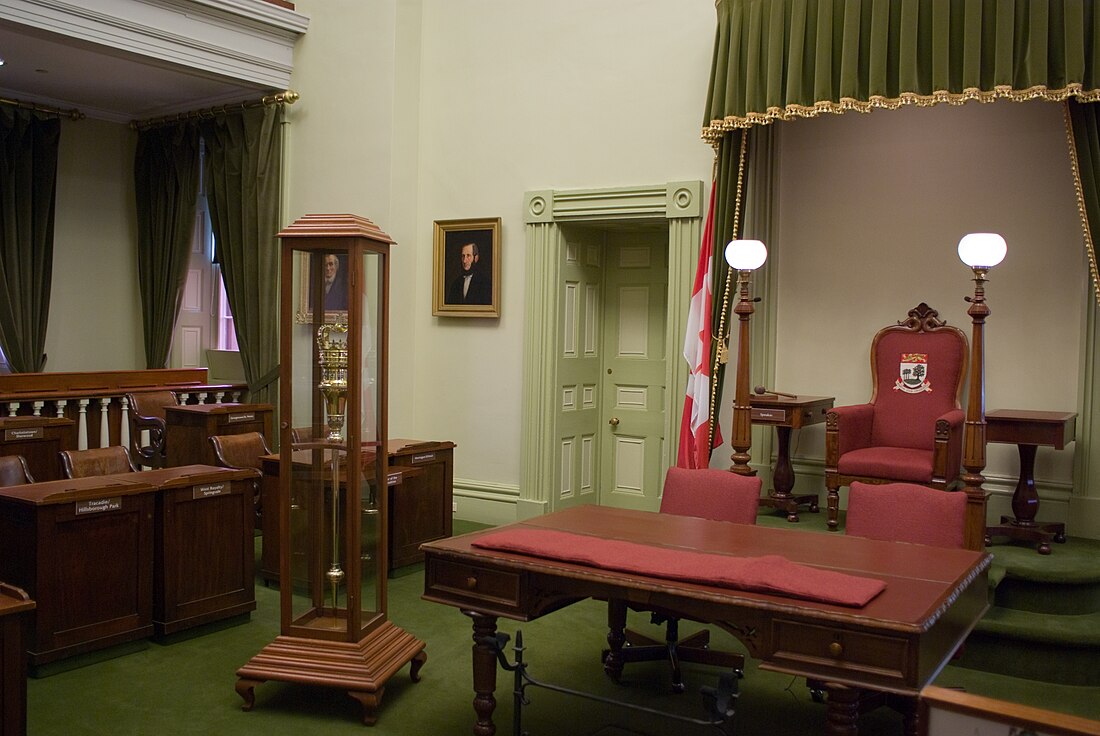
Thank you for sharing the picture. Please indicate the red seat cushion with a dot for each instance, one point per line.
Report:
(896, 463)
(903, 512)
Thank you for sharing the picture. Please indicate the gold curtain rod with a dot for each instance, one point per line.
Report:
(289, 97)
(72, 114)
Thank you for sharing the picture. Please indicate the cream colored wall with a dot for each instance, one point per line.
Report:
(95, 308)
(871, 210)
(523, 96)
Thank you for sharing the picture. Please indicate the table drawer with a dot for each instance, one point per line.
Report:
(883, 657)
(495, 587)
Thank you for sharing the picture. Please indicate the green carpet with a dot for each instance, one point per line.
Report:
(186, 687)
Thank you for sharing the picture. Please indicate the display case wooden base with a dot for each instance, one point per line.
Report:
(361, 668)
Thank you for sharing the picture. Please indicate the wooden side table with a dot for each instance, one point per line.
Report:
(1027, 430)
(786, 413)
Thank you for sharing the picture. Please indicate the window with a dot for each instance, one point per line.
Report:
(226, 331)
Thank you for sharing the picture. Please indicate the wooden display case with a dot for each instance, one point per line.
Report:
(333, 507)
(83, 549)
(205, 555)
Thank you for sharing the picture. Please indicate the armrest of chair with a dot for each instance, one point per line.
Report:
(156, 428)
(847, 428)
(947, 455)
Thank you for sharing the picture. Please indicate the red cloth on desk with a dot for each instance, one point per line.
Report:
(767, 574)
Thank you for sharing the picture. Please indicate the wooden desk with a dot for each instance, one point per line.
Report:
(83, 549)
(894, 645)
(420, 492)
(205, 554)
(15, 611)
(188, 427)
(39, 440)
(787, 413)
(1027, 430)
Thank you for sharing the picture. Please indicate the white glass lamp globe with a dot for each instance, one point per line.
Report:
(746, 255)
(982, 250)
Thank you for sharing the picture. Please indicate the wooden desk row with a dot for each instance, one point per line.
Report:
(117, 558)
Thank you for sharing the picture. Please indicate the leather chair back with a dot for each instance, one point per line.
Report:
(98, 461)
(13, 471)
(151, 404)
(240, 450)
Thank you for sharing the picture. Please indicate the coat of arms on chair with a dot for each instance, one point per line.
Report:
(911, 430)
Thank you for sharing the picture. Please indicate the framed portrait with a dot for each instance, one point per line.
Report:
(466, 271)
(334, 281)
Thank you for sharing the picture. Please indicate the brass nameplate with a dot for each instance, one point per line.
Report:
(234, 418)
(30, 433)
(427, 457)
(98, 505)
(214, 489)
(769, 415)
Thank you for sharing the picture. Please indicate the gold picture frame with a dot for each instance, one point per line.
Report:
(466, 268)
(305, 284)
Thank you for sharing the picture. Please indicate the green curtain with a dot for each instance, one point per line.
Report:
(28, 189)
(166, 178)
(782, 59)
(243, 183)
(1083, 126)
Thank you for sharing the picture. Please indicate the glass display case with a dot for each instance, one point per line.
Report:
(332, 437)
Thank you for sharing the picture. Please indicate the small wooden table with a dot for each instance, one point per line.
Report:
(1027, 430)
(786, 413)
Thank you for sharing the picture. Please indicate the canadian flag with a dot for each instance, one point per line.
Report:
(695, 424)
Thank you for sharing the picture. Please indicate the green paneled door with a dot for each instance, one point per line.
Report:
(633, 375)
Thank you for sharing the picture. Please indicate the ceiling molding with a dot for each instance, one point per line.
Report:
(245, 40)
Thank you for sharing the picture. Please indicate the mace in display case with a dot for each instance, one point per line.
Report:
(334, 628)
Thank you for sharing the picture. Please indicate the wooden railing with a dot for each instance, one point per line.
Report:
(96, 401)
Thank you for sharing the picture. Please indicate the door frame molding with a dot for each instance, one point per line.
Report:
(680, 204)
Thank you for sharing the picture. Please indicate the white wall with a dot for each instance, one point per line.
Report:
(517, 96)
(95, 308)
(870, 214)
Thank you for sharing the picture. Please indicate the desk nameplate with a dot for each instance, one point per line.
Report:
(238, 418)
(30, 433)
(208, 490)
(98, 505)
(765, 416)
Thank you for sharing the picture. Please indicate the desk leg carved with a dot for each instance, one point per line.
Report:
(369, 701)
(616, 637)
(842, 714)
(246, 688)
(485, 672)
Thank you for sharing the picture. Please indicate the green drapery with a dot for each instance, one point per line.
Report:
(243, 183)
(782, 59)
(166, 177)
(1083, 128)
(28, 188)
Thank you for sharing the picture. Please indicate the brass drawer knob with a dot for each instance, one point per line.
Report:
(471, 582)
(836, 649)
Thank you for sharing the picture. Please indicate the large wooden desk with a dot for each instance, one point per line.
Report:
(786, 413)
(205, 554)
(188, 427)
(83, 549)
(1027, 430)
(15, 610)
(894, 645)
(40, 441)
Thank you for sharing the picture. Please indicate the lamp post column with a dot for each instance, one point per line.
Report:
(742, 409)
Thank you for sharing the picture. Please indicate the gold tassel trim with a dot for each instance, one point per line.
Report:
(713, 133)
(1090, 248)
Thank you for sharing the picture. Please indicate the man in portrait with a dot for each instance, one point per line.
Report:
(473, 284)
(336, 286)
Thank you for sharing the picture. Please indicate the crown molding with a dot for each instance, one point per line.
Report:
(246, 40)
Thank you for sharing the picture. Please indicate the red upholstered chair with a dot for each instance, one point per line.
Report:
(906, 512)
(912, 428)
(14, 471)
(710, 494)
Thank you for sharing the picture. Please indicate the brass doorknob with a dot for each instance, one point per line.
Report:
(613, 421)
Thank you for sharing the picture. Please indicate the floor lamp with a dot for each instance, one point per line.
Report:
(745, 256)
(980, 251)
